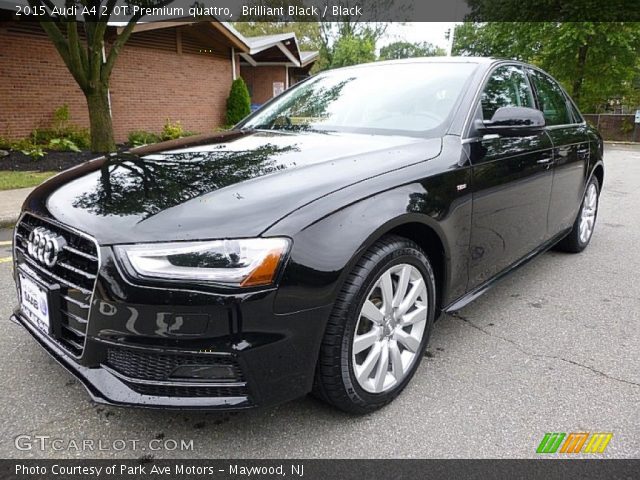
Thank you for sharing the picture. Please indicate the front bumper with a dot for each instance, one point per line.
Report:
(136, 337)
(105, 387)
(278, 368)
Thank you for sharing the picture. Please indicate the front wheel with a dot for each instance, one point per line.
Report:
(585, 223)
(379, 327)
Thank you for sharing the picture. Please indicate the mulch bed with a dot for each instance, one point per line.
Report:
(53, 161)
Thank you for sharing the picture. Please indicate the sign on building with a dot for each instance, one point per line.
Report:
(278, 88)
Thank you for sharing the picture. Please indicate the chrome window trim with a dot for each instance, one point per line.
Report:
(465, 139)
(567, 99)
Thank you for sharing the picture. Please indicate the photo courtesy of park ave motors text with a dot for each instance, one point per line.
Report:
(261, 233)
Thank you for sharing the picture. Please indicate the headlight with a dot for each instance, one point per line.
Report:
(244, 263)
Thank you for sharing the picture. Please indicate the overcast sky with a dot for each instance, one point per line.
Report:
(432, 32)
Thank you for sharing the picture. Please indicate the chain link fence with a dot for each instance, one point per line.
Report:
(615, 127)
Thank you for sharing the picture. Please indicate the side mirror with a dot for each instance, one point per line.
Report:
(512, 122)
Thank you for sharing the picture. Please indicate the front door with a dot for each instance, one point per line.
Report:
(511, 183)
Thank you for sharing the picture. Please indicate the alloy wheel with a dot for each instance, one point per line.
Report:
(588, 214)
(390, 328)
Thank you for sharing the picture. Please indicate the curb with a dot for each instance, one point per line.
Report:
(8, 221)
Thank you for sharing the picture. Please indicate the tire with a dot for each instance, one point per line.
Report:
(336, 381)
(576, 241)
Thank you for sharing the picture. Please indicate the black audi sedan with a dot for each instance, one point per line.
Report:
(311, 247)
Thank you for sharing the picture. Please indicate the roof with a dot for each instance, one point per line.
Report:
(281, 48)
(307, 57)
(266, 41)
(271, 48)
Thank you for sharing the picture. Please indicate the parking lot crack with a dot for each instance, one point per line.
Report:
(541, 355)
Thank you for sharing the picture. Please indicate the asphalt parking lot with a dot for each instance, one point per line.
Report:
(555, 347)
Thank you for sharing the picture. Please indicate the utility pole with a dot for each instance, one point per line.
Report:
(448, 35)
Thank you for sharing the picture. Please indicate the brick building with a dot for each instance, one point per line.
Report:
(273, 64)
(177, 71)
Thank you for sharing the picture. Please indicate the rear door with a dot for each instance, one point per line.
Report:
(568, 132)
(511, 182)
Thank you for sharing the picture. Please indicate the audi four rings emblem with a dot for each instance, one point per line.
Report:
(45, 246)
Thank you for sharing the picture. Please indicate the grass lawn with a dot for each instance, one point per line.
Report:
(15, 179)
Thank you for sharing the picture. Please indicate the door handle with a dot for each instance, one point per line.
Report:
(583, 151)
(544, 161)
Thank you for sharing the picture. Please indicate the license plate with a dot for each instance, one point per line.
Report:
(35, 302)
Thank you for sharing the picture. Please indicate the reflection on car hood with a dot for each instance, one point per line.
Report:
(237, 187)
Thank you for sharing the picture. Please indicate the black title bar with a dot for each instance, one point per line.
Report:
(329, 10)
(319, 469)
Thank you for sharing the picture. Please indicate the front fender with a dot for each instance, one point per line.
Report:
(326, 250)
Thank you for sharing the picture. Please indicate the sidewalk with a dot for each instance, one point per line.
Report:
(10, 203)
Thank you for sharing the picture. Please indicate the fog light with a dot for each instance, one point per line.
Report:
(204, 372)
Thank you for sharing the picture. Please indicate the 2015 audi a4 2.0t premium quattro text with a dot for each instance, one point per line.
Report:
(311, 247)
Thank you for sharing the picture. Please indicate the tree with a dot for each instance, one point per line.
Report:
(398, 50)
(82, 49)
(352, 50)
(356, 32)
(594, 61)
(131, 185)
(307, 33)
(239, 102)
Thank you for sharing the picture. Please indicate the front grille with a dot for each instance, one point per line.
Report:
(158, 366)
(75, 271)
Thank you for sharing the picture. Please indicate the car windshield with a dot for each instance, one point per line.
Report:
(400, 98)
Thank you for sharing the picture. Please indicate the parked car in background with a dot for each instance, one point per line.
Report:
(312, 247)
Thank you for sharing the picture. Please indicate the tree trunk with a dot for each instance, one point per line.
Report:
(100, 121)
(580, 70)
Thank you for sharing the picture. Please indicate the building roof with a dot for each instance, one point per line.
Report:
(308, 57)
(277, 49)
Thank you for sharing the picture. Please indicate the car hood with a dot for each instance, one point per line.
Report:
(235, 185)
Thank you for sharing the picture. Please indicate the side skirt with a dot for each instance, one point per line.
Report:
(481, 289)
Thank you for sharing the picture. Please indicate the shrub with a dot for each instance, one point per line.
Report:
(627, 126)
(36, 152)
(62, 133)
(80, 137)
(27, 147)
(22, 144)
(239, 102)
(61, 119)
(63, 145)
(171, 131)
(76, 140)
(140, 137)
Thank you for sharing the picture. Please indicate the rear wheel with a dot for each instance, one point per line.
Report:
(585, 223)
(379, 327)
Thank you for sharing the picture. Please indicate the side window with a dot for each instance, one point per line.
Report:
(577, 116)
(507, 87)
(552, 101)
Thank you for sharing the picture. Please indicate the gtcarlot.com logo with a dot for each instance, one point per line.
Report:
(47, 443)
(575, 442)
